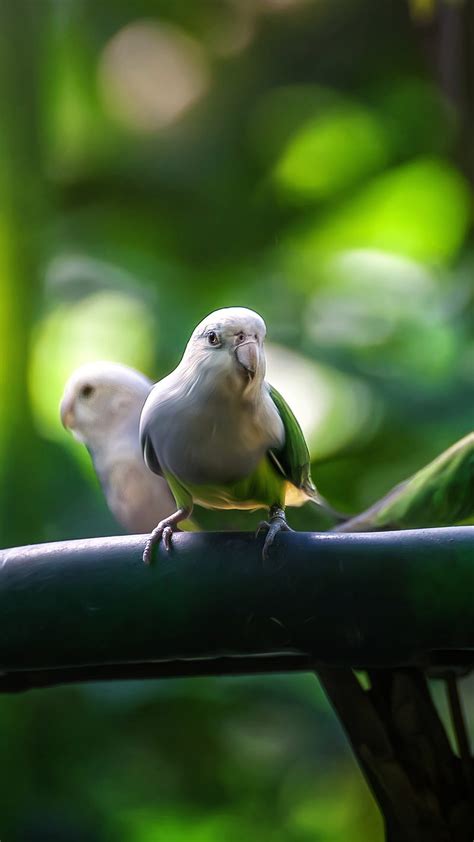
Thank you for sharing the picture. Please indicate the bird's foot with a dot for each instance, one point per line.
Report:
(162, 532)
(276, 524)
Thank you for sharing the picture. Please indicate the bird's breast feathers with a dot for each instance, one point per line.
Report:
(212, 441)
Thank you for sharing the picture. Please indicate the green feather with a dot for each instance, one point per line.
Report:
(263, 488)
(293, 458)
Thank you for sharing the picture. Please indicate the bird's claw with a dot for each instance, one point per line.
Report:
(162, 532)
(148, 551)
(276, 524)
(263, 525)
(166, 537)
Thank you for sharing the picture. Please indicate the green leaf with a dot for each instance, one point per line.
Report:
(440, 494)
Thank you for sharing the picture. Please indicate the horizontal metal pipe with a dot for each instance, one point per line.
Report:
(362, 600)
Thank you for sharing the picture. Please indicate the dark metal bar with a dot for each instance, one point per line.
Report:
(18, 680)
(91, 608)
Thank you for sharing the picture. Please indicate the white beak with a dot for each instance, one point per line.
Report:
(247, 354)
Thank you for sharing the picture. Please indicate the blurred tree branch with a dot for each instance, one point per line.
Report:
(446, 29)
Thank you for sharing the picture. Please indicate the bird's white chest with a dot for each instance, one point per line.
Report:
(219, 442)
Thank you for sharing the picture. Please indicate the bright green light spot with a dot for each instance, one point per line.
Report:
(331, 152)
(420, 210)
(104, 326)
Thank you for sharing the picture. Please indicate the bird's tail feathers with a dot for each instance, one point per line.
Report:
(323, 504)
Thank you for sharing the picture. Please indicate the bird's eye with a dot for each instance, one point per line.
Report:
(212, 338)
(241, 337)
(87, 391)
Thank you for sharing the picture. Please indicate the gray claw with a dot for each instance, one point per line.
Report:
(162, 532)
(155, 538)
(274, 528)
(277, 524)
(166, 537)
(148, 552)
(264, 524)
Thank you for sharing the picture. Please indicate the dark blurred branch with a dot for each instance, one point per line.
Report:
(424, 791)
(447, 36)
(402, 748)
(451, 53)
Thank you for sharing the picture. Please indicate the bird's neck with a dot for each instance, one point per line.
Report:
(120, 441)
(229, 387)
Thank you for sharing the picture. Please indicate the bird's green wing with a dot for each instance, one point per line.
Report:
(293, 459)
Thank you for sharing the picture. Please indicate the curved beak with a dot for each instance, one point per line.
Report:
(247, 354)
(66, 412)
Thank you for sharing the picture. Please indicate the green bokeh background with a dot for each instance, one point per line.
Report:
(306, 158)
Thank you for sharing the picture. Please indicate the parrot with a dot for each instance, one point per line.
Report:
(101, 406)
(223, 437)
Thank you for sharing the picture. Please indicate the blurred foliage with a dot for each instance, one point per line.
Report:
(159, 160)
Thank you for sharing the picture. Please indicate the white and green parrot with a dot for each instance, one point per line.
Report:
(101, 405)
(220, 435)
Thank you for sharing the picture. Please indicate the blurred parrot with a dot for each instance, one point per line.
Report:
(221, 435)
(101, 406)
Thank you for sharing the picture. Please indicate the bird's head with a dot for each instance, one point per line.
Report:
(228, 345)
(100, 398)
